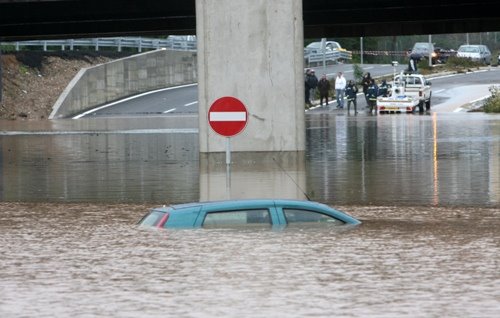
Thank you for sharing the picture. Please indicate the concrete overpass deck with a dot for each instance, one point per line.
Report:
(33, 19)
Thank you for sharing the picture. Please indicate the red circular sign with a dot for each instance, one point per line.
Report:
(227, 116)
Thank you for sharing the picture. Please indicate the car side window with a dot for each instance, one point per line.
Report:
(254, 217)
(307, 216)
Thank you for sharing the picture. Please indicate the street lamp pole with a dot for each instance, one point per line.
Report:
(361, 49)
(430, 53)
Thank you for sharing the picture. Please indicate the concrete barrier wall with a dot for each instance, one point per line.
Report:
(102, 84)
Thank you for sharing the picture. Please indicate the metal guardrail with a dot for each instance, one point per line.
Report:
(330, 56)
(183, 43)
(139, 43)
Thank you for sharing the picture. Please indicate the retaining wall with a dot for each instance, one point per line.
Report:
(102, 84)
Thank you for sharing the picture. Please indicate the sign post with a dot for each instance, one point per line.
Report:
(228, 117)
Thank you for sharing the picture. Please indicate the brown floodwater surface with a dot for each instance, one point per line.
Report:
(91, 260)
(427, 189)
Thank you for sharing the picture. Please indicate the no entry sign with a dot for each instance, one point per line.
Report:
(227, 116)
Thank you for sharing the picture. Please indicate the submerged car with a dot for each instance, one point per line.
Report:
(248, 213)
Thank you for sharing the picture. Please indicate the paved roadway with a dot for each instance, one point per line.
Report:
(449, 93)
(180, 99)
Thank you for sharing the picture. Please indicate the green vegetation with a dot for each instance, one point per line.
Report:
(460, 62)
(358, 73)
(24, 69)
(492, 103)
(453, 64)
(7, 48)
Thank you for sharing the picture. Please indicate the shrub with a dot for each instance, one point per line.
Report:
(454, 61)
(358, 73)
(8, 48)
(492, 103)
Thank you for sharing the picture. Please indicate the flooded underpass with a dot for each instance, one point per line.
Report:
(427, 189)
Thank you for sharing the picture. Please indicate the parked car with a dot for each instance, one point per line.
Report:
(246, 213)
(443, 54)
(313, 52)
(424, 49)
(439, 55)
(475, 52)
(315, 47)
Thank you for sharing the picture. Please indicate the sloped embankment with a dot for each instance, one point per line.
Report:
(32, 81)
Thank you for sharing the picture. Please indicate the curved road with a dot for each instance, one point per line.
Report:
(449, 93)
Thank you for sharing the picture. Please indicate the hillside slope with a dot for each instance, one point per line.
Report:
(32, 81)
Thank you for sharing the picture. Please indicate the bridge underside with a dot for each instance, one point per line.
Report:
(45, 19)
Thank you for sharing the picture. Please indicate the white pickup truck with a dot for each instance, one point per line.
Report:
(407, 92)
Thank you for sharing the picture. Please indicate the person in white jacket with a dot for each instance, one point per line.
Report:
(340, 84)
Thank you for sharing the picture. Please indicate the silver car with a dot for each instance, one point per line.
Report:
(475, 52)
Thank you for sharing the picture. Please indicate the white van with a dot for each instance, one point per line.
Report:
(475, 52)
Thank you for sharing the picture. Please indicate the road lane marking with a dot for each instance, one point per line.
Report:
(189, 104)
(439, 91)
(169, 111)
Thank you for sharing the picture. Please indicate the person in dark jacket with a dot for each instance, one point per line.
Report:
(307, 88)
(324, 88)
(311, 84)
(365, 82)
(383, 89)
(371, 94)
(414, 58)
(351, 92)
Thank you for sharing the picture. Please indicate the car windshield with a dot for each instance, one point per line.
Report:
(152, 218)
(421, 47)
(469, 49)
(314, 45)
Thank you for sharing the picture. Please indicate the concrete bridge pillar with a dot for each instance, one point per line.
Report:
(253, 50)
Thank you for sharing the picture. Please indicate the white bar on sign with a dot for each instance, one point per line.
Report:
(228, 116)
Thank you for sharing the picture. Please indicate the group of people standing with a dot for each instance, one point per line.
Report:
(344, 90)
(323, 86)
(372, 91)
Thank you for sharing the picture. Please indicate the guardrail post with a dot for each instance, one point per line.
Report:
(97, 44)
(119, 44)
(71, 44)
(44, 46)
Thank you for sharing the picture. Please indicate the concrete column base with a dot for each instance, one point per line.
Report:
(260, 175)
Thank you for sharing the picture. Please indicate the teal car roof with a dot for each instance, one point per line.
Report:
(248, 203)
(226, 203)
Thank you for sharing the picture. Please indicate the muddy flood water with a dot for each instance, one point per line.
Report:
(427, 189)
